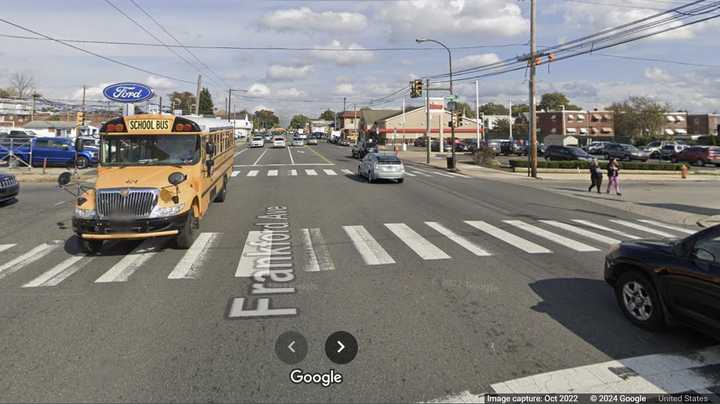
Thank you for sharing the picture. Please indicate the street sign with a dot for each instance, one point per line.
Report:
(128, 92)
(451, 98)
(451, 106)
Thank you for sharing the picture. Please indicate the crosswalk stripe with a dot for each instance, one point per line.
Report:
(513, 240)
(189, 265)
(418, 173)
(310, 172)
(127, 266)
(442, 174)
(370, 250)
(293, 173)
(272, 173)
(556, 238)
(59, 272)
(459, 175)
(422, 247)
(460, 240)
(409, 174)
(250, 254)
(316, 253)
(667, 226)
(28, 258)
(606, 229)
(253, 173)
(582, 232)
(4, 247)
(329, 171)
(235, 173)
(642, 228)
(346, 171)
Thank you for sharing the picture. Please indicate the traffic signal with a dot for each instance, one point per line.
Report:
(80, 118)
(416, 88)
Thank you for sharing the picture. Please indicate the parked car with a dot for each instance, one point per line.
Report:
(313, 140)
(699, 155)
(556, 152)
(268, 138)
(624, 151)
(21, 134)
(364, 147)
(278, 141)
(654, 148)
(376, 166)
(297, 141)
(54, 151)
(525, 148)
(435, 145)
(669, 150)
(9, 187)
(597, 147)
(665, 282)
(257, 141)
(420, 142)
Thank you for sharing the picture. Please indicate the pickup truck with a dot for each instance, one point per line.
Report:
(58, 152)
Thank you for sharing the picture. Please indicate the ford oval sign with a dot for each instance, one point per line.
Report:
(128, 92)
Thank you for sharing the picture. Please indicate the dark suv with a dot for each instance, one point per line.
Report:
(623, 151)
(555, 152)
(9, 187)
(699, 155)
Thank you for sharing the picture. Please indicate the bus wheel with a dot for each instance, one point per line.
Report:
(187, 235)
(220, 197)
(91, 246)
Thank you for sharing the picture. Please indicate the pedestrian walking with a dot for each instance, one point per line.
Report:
(614, 176)
(595, 176)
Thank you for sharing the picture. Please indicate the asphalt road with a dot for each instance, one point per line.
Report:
(441, 307)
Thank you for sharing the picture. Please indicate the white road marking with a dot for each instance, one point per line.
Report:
(409, 174)
(310, 172)
(513, 240)
(346, 171)
(59, 272)
(370, 250)
(254, 249)
(582, 232)
(240, 152)
(642, 228)
(272, 173)
(283, 165)
(235, 173)
(127, 266)
(4, 247)
(555, 238)
(317, 255)
(253, 173)
(607, 229)
(668, 226)
(422, 247)
(259, 158)
(190, 264)
(329, 171)
(460, 240)
(459, 175)
(293, 173)
(58, 204)
(28, 258)
(418, 173)
(292, 160)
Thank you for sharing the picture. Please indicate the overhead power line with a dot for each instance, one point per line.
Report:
(106, 58)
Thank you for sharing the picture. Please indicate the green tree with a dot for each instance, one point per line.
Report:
(182, 100)
(266, 119)
(520, 109)
(206, 103)
(327, 115)
(500, 130)
(466, 109)
(493, 109)
(7, 92)
(639, 119)
(299, 121)
(556, 102)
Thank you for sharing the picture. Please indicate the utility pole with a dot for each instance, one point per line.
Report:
(533, 123)
(510, 118)
(229, 103)
(344, 99)
(160, 105)
(197, 96)
(32, 111)
(82, 121)
(477, 112)
(427, 121)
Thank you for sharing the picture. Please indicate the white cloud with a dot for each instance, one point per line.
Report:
(477, 60)
(92, 92)
(259, 89)
(282, 72)
(290, 92)
(493, 18)
(160, 84)
(657, 74)
(305, 19)
(344, 57)
(262, 107)
(344, 89)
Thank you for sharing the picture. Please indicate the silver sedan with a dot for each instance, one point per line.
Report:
(376, 166)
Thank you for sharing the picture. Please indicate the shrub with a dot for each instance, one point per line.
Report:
(484, 156)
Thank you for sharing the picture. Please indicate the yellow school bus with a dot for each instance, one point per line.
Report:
(157, 176)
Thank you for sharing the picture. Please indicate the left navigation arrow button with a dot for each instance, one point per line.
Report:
(291, 347)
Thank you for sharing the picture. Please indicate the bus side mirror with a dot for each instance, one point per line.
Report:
(64, 179)
(78, 145)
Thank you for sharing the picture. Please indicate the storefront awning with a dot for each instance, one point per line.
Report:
(583, 130)
(571, 130)
(669, 132)
(680, 131)
(670, 118)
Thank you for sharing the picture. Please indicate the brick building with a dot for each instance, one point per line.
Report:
(586, 126)
(704, 124)
(675, 124)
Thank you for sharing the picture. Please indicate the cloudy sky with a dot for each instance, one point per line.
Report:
(311, 80)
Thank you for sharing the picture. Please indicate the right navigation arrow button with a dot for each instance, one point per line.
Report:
(341, 346)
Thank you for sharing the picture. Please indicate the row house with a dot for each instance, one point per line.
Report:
(586, 126)
(705, 124)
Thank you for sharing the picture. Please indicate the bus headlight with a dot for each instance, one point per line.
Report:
(165, 211)
(84, 213)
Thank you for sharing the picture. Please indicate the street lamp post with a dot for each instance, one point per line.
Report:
(452, 126)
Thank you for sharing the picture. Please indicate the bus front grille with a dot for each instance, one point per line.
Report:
(126, 203)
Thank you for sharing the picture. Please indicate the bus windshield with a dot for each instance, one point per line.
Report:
(134, 150)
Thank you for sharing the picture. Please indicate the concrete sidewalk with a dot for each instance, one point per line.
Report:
(668, 198)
